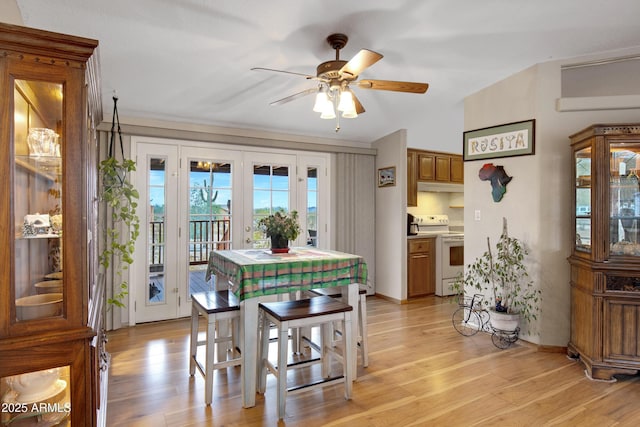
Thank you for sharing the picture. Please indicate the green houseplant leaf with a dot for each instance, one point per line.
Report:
(501, 272)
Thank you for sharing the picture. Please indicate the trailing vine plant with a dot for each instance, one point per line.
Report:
(121, 200)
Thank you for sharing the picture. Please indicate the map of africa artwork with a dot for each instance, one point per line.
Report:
(498, 178)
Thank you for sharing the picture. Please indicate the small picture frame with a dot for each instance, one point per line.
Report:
(387, 176)
(508, 140)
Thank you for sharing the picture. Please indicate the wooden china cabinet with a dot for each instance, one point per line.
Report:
(605, 261)
(52, 361)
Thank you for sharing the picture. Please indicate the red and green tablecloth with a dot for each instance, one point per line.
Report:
(257, 272)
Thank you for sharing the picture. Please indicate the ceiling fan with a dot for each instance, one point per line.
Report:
(335, 79)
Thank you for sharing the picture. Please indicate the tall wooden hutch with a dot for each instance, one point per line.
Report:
(605, 261)
(51, 352)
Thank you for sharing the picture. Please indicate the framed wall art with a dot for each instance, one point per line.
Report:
(511, 139)
(387, 176)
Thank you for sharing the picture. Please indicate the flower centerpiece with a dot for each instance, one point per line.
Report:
(281, 228)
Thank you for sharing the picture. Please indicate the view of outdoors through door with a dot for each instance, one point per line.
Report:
(271, 191)
(312, 206)
(156, 293)
(209, 217)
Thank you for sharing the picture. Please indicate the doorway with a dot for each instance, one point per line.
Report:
(200, 199)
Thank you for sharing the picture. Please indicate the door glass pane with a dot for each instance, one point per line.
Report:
(624, 196)
(38, 146)
(209, 217)
(312, 206)
(157, 231)
(270, 194)
(583, 199)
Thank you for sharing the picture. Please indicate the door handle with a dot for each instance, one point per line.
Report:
(248, 240)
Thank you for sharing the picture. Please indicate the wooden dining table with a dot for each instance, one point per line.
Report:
(256, 273)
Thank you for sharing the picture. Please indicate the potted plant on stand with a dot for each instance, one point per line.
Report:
(281, 228)
(501, 271)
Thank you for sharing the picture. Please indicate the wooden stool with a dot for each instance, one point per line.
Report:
(214, 306)
(363, 341)
(321, 311)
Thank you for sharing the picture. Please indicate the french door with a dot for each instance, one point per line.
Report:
(211, 214)
(270, 186)
(156, 287)
(194, 200)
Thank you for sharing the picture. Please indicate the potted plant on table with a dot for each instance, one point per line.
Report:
(281, 228)
(501, 271)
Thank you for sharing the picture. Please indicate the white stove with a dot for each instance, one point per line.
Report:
(429, 225)
(449, 249)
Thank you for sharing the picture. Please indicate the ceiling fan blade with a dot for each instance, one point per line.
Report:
(294, 96)
(359, 108)
(411, 87)
(306, 76)
(363, 59)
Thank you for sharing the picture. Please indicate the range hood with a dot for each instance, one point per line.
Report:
(440, 187)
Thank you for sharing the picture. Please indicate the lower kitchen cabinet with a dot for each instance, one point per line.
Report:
(421, 267)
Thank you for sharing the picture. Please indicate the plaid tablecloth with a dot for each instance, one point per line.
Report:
(257, 272)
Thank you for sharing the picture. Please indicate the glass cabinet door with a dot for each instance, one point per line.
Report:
(624, 199)
(583, 165)
(37, 202)
(37, 398)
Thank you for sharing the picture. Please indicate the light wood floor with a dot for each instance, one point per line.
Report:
(421, 373)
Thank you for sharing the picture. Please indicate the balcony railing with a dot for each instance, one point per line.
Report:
(204, 236)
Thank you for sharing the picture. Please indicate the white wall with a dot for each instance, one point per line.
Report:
(446, 137)
(432, 203)
(9, 12)
(537, 202)
(391, 232)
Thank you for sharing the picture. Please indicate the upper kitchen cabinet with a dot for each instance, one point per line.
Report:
(50, 307)
(429, 166)
(412, 178)
(440, 167)
(605, 260)
(456, 172)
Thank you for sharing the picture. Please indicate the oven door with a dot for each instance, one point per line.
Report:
(452, 256)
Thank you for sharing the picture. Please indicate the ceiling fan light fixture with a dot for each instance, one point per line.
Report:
(350, 114)
(347, 105)
(328, 112)
(321, 101)
(346, 101)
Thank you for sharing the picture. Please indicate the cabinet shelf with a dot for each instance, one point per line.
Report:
(38, 237)
(49, 168)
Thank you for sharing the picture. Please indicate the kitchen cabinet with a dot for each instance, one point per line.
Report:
(427, 166)
(421, 267)
(51, 351)
(605, 260)
(456, 169)
(439, 167)
(412, 178)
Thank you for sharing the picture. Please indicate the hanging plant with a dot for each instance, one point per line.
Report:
(121, 200)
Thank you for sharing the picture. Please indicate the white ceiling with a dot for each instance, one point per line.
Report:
(190, 60)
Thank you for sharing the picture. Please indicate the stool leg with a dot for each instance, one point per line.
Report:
(362, 320)
(283, 345)
(263, 353)
(209, 359)
(348, 355)
(193, 343)
(235, 328)
(326, 341)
